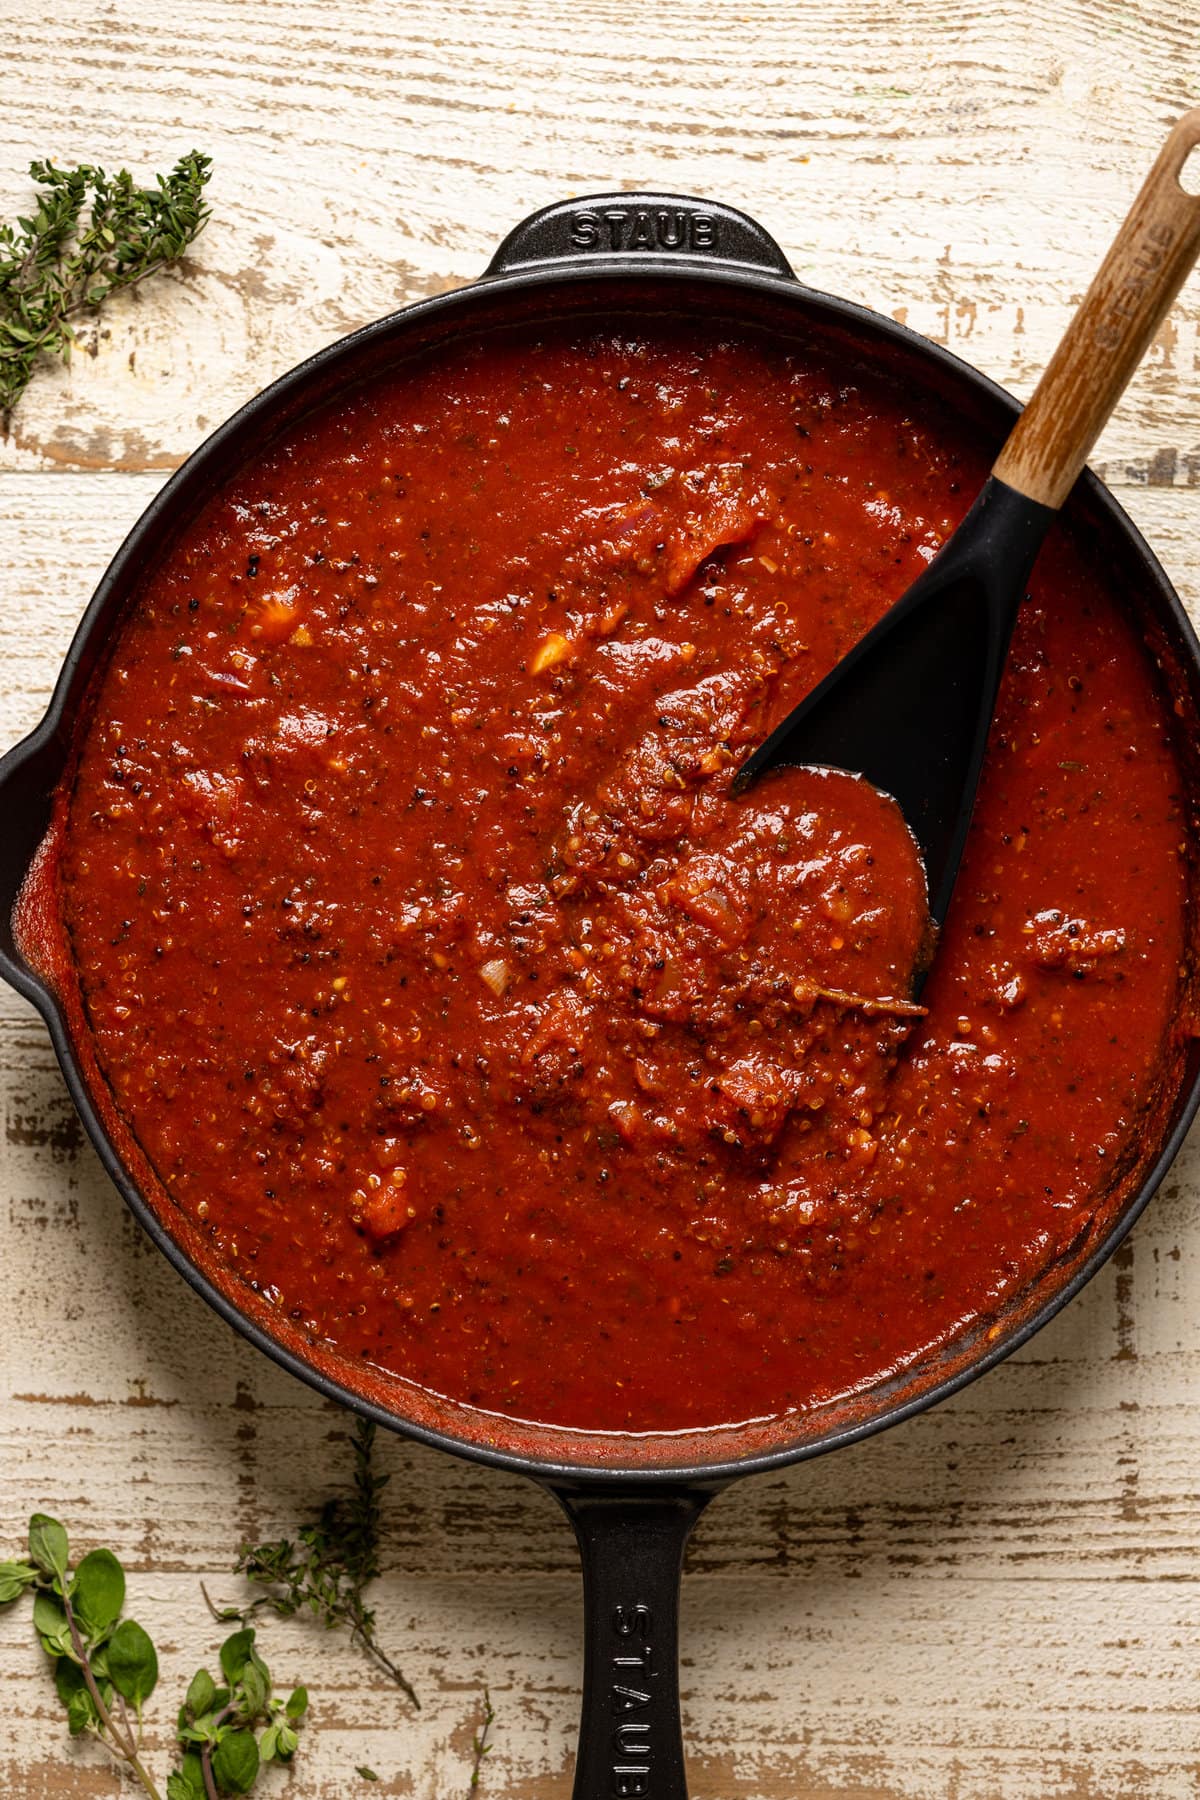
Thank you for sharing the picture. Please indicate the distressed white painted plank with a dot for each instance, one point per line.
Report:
(962, 172)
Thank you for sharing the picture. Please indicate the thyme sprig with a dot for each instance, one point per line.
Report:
(324, 1570)
(55, 265)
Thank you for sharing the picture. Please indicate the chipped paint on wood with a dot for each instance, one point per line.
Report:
(999, 1601)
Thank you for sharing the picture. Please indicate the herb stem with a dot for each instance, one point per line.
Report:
(210, 1786)
(125, 1720)
(362, 1634)
(78, 304)
(481, 1743)
(327, 1569)
(123, 1744)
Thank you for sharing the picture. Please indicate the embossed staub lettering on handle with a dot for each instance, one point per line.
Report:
(632, 1543)
(631, 1691)
(1130, 296)
(1146, 262)
(656, 229)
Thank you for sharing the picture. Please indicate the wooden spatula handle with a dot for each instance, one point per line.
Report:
(1106, 340)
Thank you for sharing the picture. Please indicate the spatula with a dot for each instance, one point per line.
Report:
(910, 706)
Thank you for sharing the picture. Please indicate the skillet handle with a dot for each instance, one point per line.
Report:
(634, 229)
(630, 1738)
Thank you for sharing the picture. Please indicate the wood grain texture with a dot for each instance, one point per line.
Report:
(999, 1601)
(1125, 306)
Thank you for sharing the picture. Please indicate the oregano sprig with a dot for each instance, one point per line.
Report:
(106, 1669)
(229, 1732)
(105, 1666)
(55, 264)
(326, 1568)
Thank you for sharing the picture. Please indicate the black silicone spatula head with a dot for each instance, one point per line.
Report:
(910, 706)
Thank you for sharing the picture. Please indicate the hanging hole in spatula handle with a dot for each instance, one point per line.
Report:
(1189, 174)
(1115, 325)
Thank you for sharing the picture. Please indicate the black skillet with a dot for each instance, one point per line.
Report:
(632, 1502)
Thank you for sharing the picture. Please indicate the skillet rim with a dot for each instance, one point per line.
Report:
(48, 747)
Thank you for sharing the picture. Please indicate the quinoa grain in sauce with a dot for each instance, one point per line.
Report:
(451, 995)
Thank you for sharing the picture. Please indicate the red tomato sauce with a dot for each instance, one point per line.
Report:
(457, 1003)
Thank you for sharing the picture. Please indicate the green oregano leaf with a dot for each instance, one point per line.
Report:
(235, 1763)
(15, 1577)
(98, 1592)
(48, 1546)
(201, 1693)
(68, 1680)
(72, 1689)
(187, 1781)
(50, 1623)
(81, 1712)
(105, 1667)
(235, 1653)
(254, 1690)
(132, 1663)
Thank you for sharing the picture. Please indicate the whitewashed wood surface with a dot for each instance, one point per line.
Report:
(999, 1601)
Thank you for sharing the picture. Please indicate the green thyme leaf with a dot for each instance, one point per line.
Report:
(326, 1570)
(55, 263)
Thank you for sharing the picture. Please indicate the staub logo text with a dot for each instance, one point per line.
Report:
(1124, 303)
(643, 228)
(631, 1692)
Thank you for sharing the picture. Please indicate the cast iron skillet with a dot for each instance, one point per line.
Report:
(632, 1501)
